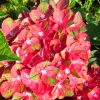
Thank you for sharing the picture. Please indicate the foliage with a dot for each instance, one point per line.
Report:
(13, 8)
(5, 52)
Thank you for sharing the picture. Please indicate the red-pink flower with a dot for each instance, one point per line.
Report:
(54, 51)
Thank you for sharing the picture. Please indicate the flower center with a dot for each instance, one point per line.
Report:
(59, 86)
(28, 41)
(43, 72)
(67, 71)
(41, 33)
(42, 16)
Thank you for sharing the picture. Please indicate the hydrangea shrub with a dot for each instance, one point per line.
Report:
(54, 50)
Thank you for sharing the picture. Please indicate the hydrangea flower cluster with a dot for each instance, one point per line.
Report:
(54, 51)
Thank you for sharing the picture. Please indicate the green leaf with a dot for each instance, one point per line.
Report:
(72, 3)
(67, 62)
(92, 60)
(74, 33)
(15, 9)
(1, 65)
(51, 81)
(34, 76)
(79, 2)
(35, 47)
(16, 2)
(21, 9)
(6, 74)
(75, 73)
(80, 87)
(25, 2)
(44, 0)
(43, 7)
(34, 97)
(45, 63)
(8, 93)
(83, 29)
(93, 53)
(5, 51)
(69, 92)
(95, 57)
(94, 32)
(3, 14)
